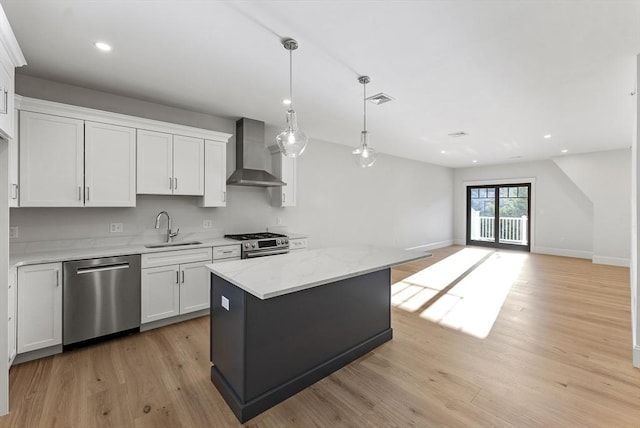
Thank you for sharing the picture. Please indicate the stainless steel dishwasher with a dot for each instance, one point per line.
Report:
(100, 297)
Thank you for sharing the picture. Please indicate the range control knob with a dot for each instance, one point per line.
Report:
(286, 241)
(253, 245)
(246, 245)
(277, 242)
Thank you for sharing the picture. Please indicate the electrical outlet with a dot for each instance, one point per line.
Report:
(116, 228)
(207, 224)
(225, 303)
(13, 232)
(278, 221)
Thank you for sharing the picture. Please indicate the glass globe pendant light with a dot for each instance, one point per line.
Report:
(292, 141)
(364, 155)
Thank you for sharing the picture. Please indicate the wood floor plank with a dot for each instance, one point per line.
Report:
(558, 354)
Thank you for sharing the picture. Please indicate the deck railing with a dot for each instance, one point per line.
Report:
(511, 230)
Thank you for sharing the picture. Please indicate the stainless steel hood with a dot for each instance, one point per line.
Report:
(251, 157)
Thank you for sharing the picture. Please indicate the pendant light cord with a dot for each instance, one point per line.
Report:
(291, 79)
(364, 103)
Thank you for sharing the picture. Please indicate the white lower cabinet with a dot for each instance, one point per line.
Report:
(13, 303)
(174, 288)
(39, 306)
(297, 244)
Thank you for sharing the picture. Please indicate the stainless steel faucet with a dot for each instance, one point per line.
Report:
(170, 234)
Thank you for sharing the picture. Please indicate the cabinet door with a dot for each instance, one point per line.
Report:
(215, 174)
(51, 160)
(286, 169)
(194, 287)
(160, 293)
(188, 166)
(39, 306)
(7, 74)
(12, 346)
(13, 165)
(155, 163)
(110, 165)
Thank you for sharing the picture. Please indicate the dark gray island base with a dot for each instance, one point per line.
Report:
(265, 351)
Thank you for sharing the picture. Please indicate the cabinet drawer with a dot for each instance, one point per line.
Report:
(226, 252)
(297, 244)
(172, 257)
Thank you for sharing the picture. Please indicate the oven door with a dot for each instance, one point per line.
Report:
(265, 252)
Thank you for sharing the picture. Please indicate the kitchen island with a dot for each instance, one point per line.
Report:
(281, 323)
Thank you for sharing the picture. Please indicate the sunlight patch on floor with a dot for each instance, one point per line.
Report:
(473, 304)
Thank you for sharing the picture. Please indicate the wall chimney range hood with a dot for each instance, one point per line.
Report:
(251, 155)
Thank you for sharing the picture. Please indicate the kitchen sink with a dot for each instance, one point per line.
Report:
(173, 244)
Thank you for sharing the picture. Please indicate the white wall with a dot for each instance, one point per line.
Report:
(605, 177)
(398, 202)
(562, 222)
(635, 239)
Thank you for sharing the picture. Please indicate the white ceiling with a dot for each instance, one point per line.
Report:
(505, 72)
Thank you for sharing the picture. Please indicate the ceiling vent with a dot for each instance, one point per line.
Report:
(380, 98)
(458, 134)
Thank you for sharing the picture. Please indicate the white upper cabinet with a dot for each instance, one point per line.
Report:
(215, 174)
(286, 169)
(188, 166)
(155, 163)
(170, 164)
(10, 57)
(110, 165)
(51, 161)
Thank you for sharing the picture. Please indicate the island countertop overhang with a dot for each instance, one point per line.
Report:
(268, 277)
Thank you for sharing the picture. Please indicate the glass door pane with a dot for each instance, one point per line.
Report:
(482, 206)
(513, 215)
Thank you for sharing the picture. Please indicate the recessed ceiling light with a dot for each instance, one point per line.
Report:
(564, 150)
(547, 136)
(442, 152)
(103, 46)
(474, 161)
(286, 102)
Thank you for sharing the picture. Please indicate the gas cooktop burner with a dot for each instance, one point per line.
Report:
(258, 235)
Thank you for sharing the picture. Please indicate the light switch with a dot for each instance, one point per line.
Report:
(225, 303)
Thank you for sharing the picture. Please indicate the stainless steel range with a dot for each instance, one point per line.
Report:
(261, 244)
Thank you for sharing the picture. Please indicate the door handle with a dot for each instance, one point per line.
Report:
(170, 183)
(6, 101)
(102, 268)
(57, 278)
(224, 196)
(79, 193)
(87, 193)
(177, 277)
(175, 183)
(284, 197)
(14, 188)
(182, 277)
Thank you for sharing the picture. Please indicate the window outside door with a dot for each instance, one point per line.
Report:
(509, 225)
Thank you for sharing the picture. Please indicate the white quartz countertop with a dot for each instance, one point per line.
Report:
(273, 276)
(83, 251)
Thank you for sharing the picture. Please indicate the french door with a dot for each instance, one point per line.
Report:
(498, 216)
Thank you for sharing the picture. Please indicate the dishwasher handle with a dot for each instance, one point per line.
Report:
(104, 268)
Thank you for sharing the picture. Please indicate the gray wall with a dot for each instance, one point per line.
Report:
(398, 202)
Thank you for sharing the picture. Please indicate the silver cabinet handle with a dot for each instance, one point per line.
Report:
(227, 252)
(224, 196)
(177, 277)
(14, 188)
(6, 101)
(175, 183)
(79, 193)
(170, 183)
(284, 197)
(182, 277)
(87, 194)
(57, 278)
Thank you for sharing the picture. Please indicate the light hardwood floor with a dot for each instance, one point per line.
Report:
(558, 355)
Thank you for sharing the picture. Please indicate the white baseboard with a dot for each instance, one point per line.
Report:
(636, 356)
(613, 261)
(432, 246)
(459, 241)
(562, 252)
